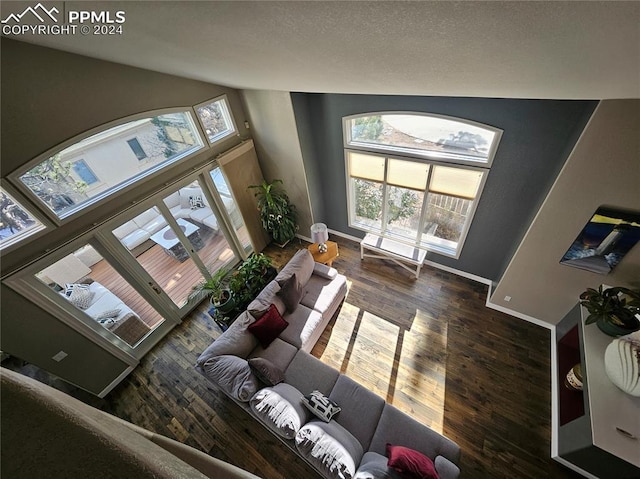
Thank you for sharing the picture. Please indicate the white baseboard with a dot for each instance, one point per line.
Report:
(511, 312)
(472, 277)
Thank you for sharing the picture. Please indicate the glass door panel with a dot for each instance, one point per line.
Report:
(231, 207)
(94, 287)
(159, 249)
(190, 207)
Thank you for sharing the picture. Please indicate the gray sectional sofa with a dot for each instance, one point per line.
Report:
(353, 443)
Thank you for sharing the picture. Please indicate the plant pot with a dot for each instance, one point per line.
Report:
(631, 324)
(225, 306)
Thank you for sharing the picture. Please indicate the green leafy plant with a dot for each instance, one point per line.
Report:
(277, 214)
(214, 288)
(251, 276)
(617, 306)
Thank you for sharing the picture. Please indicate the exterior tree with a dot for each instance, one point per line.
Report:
(401, 203)
(367, 128)
(51, 181)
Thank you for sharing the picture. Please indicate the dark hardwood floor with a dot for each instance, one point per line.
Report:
(429, 346)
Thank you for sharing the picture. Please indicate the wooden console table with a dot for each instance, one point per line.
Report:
(324, 258)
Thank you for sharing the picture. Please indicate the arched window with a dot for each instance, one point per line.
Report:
(99, 165)
(416, 178)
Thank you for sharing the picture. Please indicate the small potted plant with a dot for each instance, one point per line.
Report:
(614, 310)
(216, 290)
(277, 214)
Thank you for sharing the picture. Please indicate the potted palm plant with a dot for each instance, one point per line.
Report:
(214, 288)
(277, 214)
(615, 310)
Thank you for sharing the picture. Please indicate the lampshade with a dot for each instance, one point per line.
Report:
(319, 233)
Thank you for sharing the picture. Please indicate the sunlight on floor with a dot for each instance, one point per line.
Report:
(405, 367)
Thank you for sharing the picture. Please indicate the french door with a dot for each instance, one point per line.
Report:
(126, 284)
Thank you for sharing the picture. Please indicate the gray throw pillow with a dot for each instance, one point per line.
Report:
(290, 293)
(233, 375)
(266, 371)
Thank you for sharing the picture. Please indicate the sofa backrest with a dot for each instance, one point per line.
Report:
(301, 265)
(360, 409)
(397, 428)
(307, 374)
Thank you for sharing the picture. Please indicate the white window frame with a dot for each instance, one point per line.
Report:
(125, 186)
(425, 157)
(226, 112)
(32, 233)
(416, 153)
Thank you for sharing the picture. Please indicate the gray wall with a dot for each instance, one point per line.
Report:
(31, 334)
(538, 137)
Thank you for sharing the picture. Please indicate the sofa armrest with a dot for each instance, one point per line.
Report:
(324, 271)
(446, 469)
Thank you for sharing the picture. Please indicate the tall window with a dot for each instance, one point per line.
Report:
(165, 139)
(410, 176)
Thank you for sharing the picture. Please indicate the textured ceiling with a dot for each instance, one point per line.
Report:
(489, 49)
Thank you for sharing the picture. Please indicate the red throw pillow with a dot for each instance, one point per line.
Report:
(268, 327)
(411, 464)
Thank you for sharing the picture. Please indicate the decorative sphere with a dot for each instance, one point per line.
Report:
(322, 247)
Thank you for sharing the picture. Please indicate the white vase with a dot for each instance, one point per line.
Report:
(622, 365)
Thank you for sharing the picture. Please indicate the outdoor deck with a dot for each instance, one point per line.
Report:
(174, 277)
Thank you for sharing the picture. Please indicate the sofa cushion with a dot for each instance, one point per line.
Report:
(280, 409)
(410, 463)
(200, 214)
(148, 216)
(320, 405)
(124, 230)
(155, 224)
(278, 352)
(233, 375)
(307, 374)
(236, 340)
(266, 371)
(361, 409)
(398, 428)
(290, 292)
(330, 448)
(302, 324)
(136, 238)
(211, 222)
(324, 295)
(266, 298)
(301, 264)
(268, 327)
(172, 200)
(374, 466)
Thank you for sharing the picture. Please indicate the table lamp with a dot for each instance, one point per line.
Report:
(320, 235)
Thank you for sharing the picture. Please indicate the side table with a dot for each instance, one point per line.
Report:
(324, 258)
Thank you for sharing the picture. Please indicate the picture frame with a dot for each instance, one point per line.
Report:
(607, 237)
